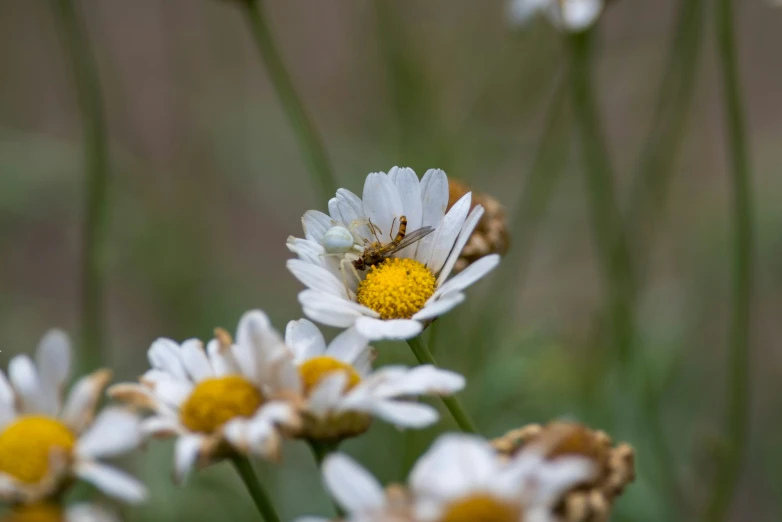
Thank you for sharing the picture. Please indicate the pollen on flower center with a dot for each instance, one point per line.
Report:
(26, 446)
(481, 508)
(314, 370)
(396, 288)
(216, 401)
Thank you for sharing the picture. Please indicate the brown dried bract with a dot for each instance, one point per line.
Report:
(591, 502)
(491, 234)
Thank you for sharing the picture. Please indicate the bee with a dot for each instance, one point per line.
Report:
(377, 252)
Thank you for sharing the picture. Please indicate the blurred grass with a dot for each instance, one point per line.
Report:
(206, 193)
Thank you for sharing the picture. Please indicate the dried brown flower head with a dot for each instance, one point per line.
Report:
(590, 502)
(491, 234)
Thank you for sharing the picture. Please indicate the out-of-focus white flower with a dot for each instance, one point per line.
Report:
(342, 392)
(460, 479)
(401, 294)
(231, 397)
(44, 441)
(569, 15)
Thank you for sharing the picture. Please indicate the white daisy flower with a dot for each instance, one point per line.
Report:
(44, 442)
(459, 479)
(343, 393)
(44, 512)
(398, 297)
(570, 15)
(230, 397)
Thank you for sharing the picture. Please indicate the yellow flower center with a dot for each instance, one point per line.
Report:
(314, 370)
(27, 443)
(216, 401)
(481, 508)
(396, 288)
(35, 513)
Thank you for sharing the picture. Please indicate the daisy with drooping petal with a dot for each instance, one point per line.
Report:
(570, 15)
(231, 397)
(45, 442)
(342, 393)
(460, 479)
(398, 297)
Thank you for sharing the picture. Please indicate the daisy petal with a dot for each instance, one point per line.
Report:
(111, 481)
(83, 398)
(338, 319)
(161, 426)
(222, 359)
(305, 339)
(447, 233)
(326, 394)
(54, 360)
(441, 471)
(405, 414)
(6, 391)
(469, 225)
(351, 208)
(315, 224)
(164, 355)
(114, 432)
(185, 455)
(439, 307)
(382, 204)
(578, 15)
(316, 277)
(354, 488)
(469, 275)
(434, 201)
(378, 329)
(26, 382)
(348, 346)
(195, 361)
(173, 393)
(409, 189)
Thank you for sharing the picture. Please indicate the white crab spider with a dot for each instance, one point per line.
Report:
(339, 241)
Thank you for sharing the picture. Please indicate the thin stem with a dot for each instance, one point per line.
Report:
(655, 167)
(738, 364)
(605, 216)
(260, 498)
(310, 143)
(93, 262)
(321, 450)
(424, 356)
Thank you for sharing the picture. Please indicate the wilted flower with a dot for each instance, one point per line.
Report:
(460, 479)
(405, 289)
(591, 501)
(45, 442)
(569, 15)
(491, 234)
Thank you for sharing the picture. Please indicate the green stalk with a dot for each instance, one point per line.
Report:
(424, 356)
(310, 143)
(260, 498)
(743, 246)
(321, 450)
(605, 216)
(655, 168)
(93, 261)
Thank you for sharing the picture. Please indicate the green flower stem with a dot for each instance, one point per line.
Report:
(309, 141)
(260, 498)
(605, 216)
(321, 450)
(93, 263)
(424, 356)
(743, 246)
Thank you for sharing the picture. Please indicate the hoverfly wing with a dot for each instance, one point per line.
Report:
(410, 238)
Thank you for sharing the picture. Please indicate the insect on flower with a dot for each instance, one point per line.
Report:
(376, 252)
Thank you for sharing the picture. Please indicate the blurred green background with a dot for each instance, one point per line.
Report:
(206, 183)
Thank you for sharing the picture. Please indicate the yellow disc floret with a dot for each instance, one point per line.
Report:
(35, 513)
(314, 370)
(26, 446)
(481, 508)
(216, 401)
(396, 288)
